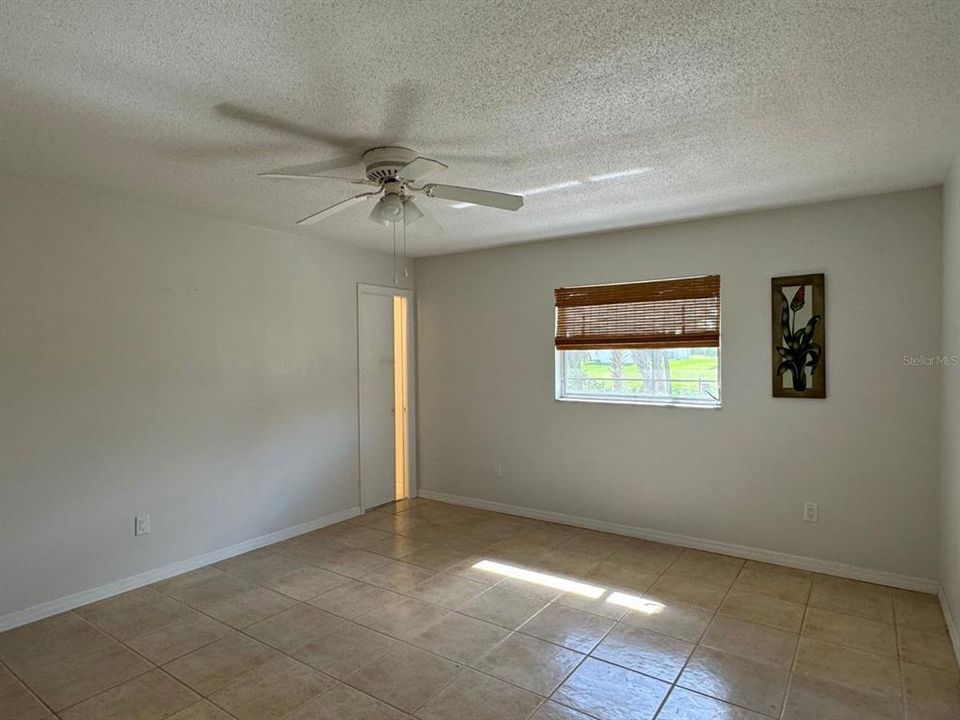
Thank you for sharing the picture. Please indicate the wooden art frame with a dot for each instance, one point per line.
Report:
(798, 336)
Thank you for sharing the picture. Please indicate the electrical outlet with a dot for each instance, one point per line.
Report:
(141, 525)
(811, 512)
(498, 469)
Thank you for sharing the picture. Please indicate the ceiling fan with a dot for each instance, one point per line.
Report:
(395, 173)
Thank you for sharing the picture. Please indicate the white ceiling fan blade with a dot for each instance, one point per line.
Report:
(355, 181)
(317, 168)
(420, 220)
(419, 168)
(503, 201)
(334, 209)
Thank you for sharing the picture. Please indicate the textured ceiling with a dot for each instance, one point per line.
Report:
(715, 106)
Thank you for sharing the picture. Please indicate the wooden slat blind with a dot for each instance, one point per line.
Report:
(656, 314)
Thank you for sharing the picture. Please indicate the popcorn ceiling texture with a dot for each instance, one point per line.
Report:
(731, 105)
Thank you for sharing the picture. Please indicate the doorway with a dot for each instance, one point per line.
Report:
(386, 367)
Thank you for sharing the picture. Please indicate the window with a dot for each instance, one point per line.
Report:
(647, 342)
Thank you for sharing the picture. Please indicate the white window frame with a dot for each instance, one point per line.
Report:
(560, 393)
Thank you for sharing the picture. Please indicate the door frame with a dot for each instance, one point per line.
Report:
(412, 480)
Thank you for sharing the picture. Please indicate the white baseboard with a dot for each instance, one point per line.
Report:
(951, 623)
(85, 597)
(826, 567)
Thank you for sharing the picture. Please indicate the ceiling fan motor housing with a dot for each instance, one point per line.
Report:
(383, 163)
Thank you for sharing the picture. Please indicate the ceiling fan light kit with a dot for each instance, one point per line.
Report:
(395, 172)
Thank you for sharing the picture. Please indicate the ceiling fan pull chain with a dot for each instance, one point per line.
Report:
(396, 279)
(406, 271)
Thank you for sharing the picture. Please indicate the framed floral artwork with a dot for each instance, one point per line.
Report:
(799, 331)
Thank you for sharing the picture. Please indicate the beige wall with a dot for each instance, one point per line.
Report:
(868, 454)
(950, 508)
(154, 361)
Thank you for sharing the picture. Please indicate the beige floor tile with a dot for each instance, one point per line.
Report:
(675, 620)
(449, 591)
(133, 613)
(920, 611)
(353, 535)
(530, 589)
(436, 557)
(211, 667)
(686, 705)
(205, 590)
(853, 597)
(380, 520)
(529, 663)
(780, 582)
(345, 651)
(931, 649)
(203, 710)
(597, 606)
(178, 583)
(755, 642)
(555, 711)
(17, 702)
(649, 556)
(15, 642)
(460, 638)
(853, 630)
(248, 607)
(682, 590)
(403, 618)
(645, 651)
(398, 576)
(272, 690)
(403, 505)
(151, 696)
(560, 561)
(345, 703)
(502, 607)
(862, 671)
(396, 547)
(62, 638)
(573, 629)
(610, 692)
(66, 683)
(261, 565)
(810, 698)
(311, 551)
(479, 697)
(292, 629)
(187, 633)
(546, 534)
(514, 550)
(756, 686)
(306, 583)
(600, 545)
(763, 609)
(620, 575)
(705, 567)
(466, 568)
(406, 677)
(353, 562)
(930, 694)
(354, 599)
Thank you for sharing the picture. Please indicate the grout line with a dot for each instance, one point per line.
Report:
(26, 687)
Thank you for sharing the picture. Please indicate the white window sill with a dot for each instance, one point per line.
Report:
(651, 402)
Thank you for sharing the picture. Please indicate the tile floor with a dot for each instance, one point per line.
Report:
(440, 612)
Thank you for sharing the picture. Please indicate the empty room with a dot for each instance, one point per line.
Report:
(479, 360)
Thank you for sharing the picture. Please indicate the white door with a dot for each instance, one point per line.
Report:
(377, 419)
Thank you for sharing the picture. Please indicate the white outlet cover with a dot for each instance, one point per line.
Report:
(811, 512)
(141, 525)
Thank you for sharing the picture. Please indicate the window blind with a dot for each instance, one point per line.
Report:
(657, 314)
